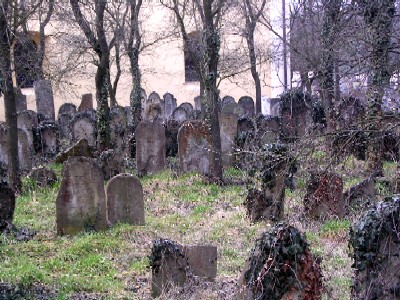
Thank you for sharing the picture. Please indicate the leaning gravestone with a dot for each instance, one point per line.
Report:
(228, 132)
(281, 266)
(169, 105)
(324, 197)
(172, 264)
(150, 148)
(375, 241)
(24, 151)
(44, 99)
(84, 127)
(248, 106)
(180, 115)
(187, 106)
(86, 102)
(20, 101)
(7, 205)
(125, 200)
(81, 200)
(67, 108)
(194, 147)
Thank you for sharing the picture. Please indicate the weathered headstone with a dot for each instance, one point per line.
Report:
(179, 114)
(375, 241)
(43, 176)
(81, 148)
(268, 129)
(24, 151)
(67, 108)
(118, 126)
(245, 131)
(226, 100)
(172, 264)
(233, 108)
(86, 102)
(20, 101)
(194, 147)
(46, 139)
(153, 112)
(64, 121)
(197, 103)
(169, 105)
(44, 99)
(248, 106)
(81, 200)
(171, 137)
(228, 131)
(7, 205)
(324, 196)
(111, 162)
(84, 127)
(281, 266)
(125, 200)
(187, 106)
(27, 120)
(150, 148)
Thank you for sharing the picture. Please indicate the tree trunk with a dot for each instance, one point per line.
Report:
(210, 74)
(103, 110)
(253, 66)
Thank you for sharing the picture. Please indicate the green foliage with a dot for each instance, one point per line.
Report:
(382, 220)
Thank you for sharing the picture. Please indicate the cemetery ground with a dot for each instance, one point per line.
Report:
(114, 264)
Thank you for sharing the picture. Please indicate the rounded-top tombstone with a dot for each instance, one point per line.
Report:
(169, 104)
(125, 200)
(187, 106)
(67, 108)
(227, 99)
(179, 114)
(248, 106)
(233, 108)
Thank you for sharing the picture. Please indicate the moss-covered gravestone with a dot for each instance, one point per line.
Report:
(375, 240)
(281, 266)
(81, 200)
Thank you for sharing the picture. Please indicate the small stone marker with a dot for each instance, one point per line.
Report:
(86, 102)
(194, 147)
(125, 200)
(172, 264)
(7, 205)
(43, 176)
(375, 241)
(324, 197)
(81, 200)
(150, 148)
(248, 106)
(44, 99)
(228, 131)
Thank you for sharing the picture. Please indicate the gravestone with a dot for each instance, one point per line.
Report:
(44, 99)
(43, 176)
(27, 120)
(20, 101)
(197, 103)
(172, 264)
(171, 137)
(194, 147)
(150, 148)
(226, 100)
(324, 197)
(153, 112)
(375, 241)
(169, 105)
(111, 162)
(67, 108)
(281, 266)
(64, 121)
(118, 127)
(81, 200)
(187, 106)
(81, 148)
(125, 200)
(46, 139)
(84, 127)
(228, 131)
(86, 102)
(233, 108)
(7, 205)
(179, 114)
(245, 130)
(267, 129)
(248, 106)
(24, 152)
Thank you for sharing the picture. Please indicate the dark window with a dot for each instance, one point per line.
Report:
(24, 60)
(193, 57)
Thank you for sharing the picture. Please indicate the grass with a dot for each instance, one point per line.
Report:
(114, 263)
